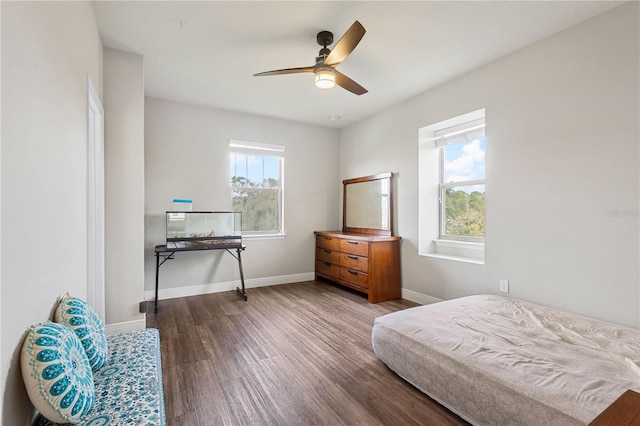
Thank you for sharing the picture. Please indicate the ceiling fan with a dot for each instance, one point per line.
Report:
(327, 60)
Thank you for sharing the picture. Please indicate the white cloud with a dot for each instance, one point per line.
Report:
(469, 165)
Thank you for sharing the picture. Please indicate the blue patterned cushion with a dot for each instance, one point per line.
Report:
(57, 373)
(79, 316)
(129, 385)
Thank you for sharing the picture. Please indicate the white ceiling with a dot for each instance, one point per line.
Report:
(205, 53)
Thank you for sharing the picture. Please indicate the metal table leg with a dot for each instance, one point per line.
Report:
(155, 303)
(242, 292)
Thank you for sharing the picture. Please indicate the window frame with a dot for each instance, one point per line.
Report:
(256, 149)
(431, 138)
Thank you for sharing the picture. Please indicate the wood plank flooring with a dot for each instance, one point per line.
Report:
(293, 354)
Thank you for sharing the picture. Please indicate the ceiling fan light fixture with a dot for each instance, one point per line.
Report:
(325, 78)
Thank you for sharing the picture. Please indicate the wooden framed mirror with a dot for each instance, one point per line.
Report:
(367, 205)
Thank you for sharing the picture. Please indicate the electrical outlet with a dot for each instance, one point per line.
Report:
(504, 286)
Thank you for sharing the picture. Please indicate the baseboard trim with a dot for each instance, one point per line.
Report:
(121, 327)
(414, 296)
(196, 290)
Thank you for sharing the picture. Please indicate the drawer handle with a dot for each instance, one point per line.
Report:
(352, 257)
(327, 238)
(352, 272)
(352, 242)
(327, 251)
(327, 264)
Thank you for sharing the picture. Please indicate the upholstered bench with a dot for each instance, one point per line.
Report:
(129, 385)
(74, 374)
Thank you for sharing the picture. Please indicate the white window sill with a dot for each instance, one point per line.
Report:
(264, 237)
(460, 251)
(455, 258)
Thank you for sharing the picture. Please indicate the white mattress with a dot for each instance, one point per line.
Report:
(502, 361)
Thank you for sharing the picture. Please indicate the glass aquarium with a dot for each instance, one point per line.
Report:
(204, 229)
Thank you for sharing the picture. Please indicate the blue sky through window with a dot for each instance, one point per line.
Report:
(255, 168)
(465, 161)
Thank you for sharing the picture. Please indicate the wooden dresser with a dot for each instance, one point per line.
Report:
(366, 263)
(624, 411)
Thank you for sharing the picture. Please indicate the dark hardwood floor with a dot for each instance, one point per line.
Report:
(293, 354)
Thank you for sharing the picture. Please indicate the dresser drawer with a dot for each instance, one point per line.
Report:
(360, 248)
(328, 243)
(326, 268)
(326, 255)
(351, 261)
(354, 277)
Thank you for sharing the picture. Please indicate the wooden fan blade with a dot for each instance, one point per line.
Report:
(346, 44)
(348, 84)
(286, 71)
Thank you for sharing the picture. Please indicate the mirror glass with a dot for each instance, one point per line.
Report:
(367, 204)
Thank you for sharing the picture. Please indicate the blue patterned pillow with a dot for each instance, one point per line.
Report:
(57, 373)
(79, 316)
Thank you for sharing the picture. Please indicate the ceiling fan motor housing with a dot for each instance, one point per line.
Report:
(324, 38)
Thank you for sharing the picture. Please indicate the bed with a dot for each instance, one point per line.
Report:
(501, 361)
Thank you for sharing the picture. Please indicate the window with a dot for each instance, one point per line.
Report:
(257, 186)
(462, 181)
(452, 188)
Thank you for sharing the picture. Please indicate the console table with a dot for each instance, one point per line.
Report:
(168, 253)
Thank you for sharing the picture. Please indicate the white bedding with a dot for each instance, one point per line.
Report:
(502, 361)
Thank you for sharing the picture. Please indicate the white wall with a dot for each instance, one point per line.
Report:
(187, 156)
(47, 50)
(124, 188)
(2, 367)
(562, 161)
